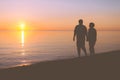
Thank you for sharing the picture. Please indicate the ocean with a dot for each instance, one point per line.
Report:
(22, 48)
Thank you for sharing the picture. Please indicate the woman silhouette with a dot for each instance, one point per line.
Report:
(92, 37)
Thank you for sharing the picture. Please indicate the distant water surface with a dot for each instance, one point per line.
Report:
(18, 48)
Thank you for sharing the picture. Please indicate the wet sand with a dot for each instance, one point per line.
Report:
(104, 66)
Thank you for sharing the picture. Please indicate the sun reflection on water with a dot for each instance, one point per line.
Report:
(24, 63)
(22, 38)
(23, 52)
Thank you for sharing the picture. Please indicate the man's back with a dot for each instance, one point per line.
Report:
(80, 31)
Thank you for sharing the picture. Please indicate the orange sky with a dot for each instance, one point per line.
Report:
(59, 14)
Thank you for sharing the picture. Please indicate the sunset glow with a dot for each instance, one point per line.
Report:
(22, 26)
(59, 14)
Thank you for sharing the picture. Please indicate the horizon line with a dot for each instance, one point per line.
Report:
(53, 30)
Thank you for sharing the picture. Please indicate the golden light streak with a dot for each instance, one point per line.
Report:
(22, 38)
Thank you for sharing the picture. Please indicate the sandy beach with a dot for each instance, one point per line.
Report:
(104, 66)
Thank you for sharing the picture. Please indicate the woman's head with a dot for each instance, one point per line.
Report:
(91, 25)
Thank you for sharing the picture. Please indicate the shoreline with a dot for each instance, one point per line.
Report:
(56, 59)
(102, 66)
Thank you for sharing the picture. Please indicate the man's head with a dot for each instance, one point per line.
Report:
(80, 21)
(91, 25)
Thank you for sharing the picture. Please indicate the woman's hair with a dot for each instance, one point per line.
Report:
(92, 24)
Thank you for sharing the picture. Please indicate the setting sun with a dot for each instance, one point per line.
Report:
(22, 26)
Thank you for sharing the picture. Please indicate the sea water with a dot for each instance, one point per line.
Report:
(20, 48)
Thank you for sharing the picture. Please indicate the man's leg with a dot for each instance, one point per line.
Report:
(79, 51)
(78, 48)
(84, 49)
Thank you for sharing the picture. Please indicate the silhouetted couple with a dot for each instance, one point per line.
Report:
(82, 35)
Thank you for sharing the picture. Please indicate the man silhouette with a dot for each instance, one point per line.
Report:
(80, 32)
(92, 37)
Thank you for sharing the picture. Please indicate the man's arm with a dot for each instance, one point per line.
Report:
(74, 34)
